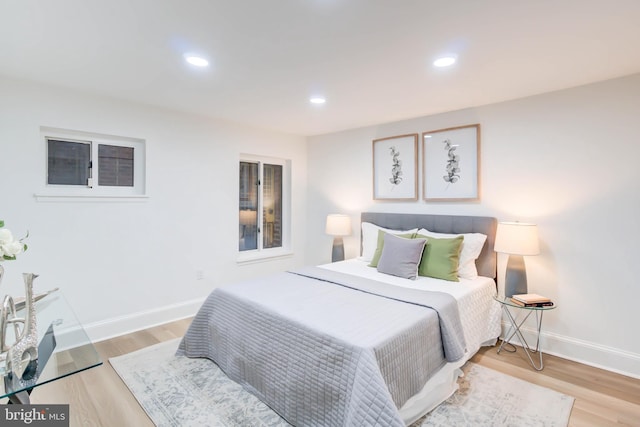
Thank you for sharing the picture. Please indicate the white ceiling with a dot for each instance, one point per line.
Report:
(370, 58)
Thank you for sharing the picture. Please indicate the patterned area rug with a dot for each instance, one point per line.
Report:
(175, 390)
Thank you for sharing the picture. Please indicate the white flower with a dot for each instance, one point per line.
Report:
(5, 236)
(9, 246)
(12, 249)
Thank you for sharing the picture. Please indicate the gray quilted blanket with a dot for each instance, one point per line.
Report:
(323, 348)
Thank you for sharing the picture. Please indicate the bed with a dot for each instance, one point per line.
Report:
(345, 344)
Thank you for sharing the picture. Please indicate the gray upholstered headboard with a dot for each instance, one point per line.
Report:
(486, 262)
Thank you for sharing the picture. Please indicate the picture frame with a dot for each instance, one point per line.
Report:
(395, 168)
(451, 164)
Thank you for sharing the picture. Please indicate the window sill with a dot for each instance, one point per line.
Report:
(264, 256)
(89, 198)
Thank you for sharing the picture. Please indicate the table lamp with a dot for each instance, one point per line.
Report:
(338, 225)
(248, 217)
(517, 239)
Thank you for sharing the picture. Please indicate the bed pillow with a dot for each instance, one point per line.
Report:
(378, 252)
(370, 238)
(400, 257)
(441, 258)
(471, 247)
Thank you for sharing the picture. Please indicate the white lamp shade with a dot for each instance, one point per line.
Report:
(338, 225)
(517, 238)
(248, 217)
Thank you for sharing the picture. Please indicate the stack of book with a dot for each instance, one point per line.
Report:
(531, 300)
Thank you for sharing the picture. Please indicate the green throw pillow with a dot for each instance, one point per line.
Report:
(440, 258)
(378, 252)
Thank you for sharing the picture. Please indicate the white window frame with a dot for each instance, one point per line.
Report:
(93, 191)
(264, 254)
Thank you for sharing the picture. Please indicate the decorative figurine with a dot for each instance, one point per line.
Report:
(25, 348)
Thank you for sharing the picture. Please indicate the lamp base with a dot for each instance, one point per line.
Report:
(337, 254)
(516, 276)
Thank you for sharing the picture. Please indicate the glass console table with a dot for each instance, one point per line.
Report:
(64, 349)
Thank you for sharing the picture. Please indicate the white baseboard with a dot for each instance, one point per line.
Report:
(588, 353)
(110, 328)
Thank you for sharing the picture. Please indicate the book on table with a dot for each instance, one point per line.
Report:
(530, 298)
(532, 304)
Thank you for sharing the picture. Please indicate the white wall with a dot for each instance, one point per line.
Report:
(124, 266)
(567, 161)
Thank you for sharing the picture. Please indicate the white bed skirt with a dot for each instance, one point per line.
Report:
(438, 389)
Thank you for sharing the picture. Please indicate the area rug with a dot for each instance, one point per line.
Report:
(181, 392)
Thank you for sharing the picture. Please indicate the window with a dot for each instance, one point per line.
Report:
(86, 164)
(69, 163)
(115, 165)
(263, 204)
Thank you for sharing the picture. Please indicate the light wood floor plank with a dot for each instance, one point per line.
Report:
(98, 397)
(603, 398)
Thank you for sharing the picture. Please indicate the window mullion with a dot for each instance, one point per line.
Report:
(94, 156)
(260, 204)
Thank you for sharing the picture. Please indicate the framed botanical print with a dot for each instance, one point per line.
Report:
(395, 168)
(451, 164)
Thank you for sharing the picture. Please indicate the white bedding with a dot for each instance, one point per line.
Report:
(479, 313)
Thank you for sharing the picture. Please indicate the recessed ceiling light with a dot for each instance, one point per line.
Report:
(198, 61)
(317, 100)
(444, 61)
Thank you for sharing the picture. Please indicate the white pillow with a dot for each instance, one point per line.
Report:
(370, 238)
(471, 248)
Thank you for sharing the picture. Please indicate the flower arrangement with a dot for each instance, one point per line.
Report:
(9, 246)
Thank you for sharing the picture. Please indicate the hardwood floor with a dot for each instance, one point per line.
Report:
(98, 397)
(602, 398)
